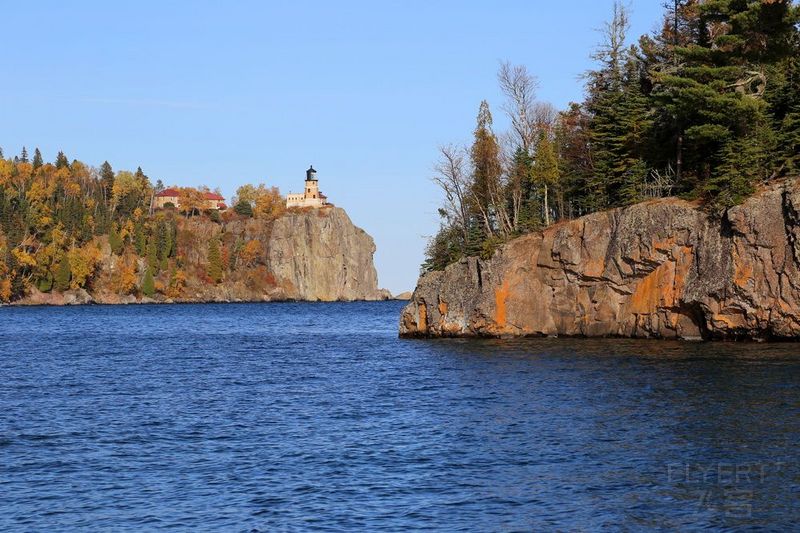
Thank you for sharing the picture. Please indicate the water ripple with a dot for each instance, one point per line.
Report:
(317, 417)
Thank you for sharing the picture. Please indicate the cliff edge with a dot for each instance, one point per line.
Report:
(659, 269)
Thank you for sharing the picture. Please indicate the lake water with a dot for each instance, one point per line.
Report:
(264, 417)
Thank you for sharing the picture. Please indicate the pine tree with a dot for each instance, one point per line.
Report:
(61, 160)
(244, 208)
(63, 275)
(23, 156)
(485, 156)
(107, 179)
(37, 159)
(214, 261)
(152, 255)
(148, 284)
(521, 166)
(620, 122)
(714, 97)
(114, 240)
(162, 240)
(139, 238)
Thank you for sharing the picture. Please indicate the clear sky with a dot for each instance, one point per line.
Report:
(225, 93)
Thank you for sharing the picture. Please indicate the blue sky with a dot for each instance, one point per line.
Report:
(244, 92)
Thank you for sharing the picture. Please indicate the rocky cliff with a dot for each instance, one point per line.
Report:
(660, 269)
(321, 255)
(311, 254)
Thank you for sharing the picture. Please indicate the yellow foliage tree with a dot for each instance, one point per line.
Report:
(267, 202)
(250, 252)
(124, 280)
(83, 262)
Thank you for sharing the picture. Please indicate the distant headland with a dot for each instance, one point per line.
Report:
(73, 234)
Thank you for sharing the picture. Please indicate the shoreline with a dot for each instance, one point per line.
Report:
(190, 302)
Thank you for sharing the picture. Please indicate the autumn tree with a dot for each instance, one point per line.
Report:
(485, 189)
(264, 202)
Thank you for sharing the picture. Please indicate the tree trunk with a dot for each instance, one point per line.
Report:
(546, 208)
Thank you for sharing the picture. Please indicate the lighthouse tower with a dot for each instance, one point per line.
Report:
(311, 196)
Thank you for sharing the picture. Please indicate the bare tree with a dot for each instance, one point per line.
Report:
(519, 87)
(452, 177)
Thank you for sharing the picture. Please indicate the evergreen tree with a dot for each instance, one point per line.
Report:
(714, 97)
(521, 172)
(61, 160)
(148, 284)
(243, 208)
(173, 238)
(139, 238)
(37, 159)
(620, 122)
(45, 283)
(152, 255)
(114, 240)
(485, 156)
(107, 180)
(23, 156)
(162, 240)
(63, 275)
(214, 261)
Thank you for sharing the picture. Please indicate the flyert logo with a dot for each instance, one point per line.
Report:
(728, 488)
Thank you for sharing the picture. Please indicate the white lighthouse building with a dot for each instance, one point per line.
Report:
(311, 196)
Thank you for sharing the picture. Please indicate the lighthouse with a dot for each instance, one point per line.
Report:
(311, 196)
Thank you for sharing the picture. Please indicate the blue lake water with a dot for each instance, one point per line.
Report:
(264, 417)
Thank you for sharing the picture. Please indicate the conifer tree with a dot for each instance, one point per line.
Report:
(114, 239)
(61, 160)
(485, 156)
(107, 179)
(162, 240)
(714, 97)
(214, 261)
(148, 283)
(139, 238)
(23, 156)
(37, 159)
(63, 275)
(521, 168)
(152, 255)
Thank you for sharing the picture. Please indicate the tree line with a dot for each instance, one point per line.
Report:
(706, 108)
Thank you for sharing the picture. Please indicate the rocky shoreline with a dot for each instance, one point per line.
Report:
(660, 269)
(82, 297)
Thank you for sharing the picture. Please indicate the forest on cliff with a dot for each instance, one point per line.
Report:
(61, 221)
(706, 108)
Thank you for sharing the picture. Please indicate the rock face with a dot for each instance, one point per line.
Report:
(309, 254)
(660, 269)
(321, 255)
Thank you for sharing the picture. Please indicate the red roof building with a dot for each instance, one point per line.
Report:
(172, 196)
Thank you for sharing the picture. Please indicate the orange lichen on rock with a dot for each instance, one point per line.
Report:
(500, 297)
(743, 271)
(443, 309)
(422, 323)
(654, 290)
